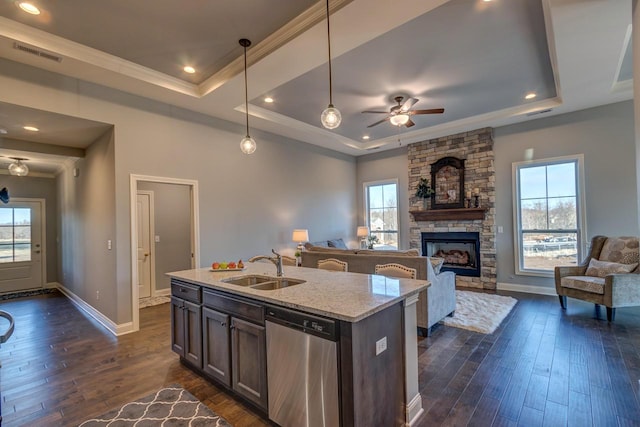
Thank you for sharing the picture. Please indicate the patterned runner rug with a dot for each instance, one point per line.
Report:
(151, 301)
(171, 406)
(480, 312)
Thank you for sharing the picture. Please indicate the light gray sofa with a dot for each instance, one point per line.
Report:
(437, 302)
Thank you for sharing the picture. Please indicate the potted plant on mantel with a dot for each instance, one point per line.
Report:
(424, 191)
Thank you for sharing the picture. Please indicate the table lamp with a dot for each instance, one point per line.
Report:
(300, 236)
(362, 233)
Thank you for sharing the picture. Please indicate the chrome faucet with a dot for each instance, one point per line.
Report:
(276, 260)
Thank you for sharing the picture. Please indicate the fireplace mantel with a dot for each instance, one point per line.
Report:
(445, 214)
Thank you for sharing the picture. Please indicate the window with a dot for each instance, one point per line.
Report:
(548, 213)
(15, 234)
(381, 204)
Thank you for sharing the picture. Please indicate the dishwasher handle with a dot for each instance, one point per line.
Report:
(4, 337)
(308, 323)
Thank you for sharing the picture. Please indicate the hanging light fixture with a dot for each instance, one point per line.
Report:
(399, 119)
(18, 168)
(248, 144)
(331, 116)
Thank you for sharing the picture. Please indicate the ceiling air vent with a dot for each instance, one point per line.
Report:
(535, 113)
(37, 52)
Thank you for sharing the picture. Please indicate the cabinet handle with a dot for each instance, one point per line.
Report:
(223, 323)
(232, 327)
(183, 290)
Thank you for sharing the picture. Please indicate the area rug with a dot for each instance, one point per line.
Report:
(171, 406)
(151, 301)
(480, 312)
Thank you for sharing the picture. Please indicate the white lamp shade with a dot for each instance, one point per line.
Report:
(363, 231)
(300, 235)
(399, 119)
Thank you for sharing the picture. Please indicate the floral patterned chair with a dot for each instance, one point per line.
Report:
(609, 276)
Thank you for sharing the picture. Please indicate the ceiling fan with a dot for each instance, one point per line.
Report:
(400, 115)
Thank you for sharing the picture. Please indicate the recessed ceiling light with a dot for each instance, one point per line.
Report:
(366, 137)
(189, 69)
(268, 100)
(31, 128)
(530, 95)
(29, 7)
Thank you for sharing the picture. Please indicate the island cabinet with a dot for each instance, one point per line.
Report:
(186, 322)
(233, 336)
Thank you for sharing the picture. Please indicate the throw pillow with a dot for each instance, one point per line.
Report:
(337, 243)
(599, 268)
(436, 263)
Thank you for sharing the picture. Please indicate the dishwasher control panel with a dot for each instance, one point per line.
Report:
(308, 323)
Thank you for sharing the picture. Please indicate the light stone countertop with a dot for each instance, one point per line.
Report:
(345, 296)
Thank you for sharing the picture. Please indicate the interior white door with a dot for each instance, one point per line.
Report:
(21, 246)
(143, 211)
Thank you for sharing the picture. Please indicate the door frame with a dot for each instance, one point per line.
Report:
(152, 232)
(43, 232)
(195, 232)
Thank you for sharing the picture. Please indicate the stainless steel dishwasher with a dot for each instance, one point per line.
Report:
(302, 369)
(3, 338)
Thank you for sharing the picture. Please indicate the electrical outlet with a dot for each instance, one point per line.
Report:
(500, 229)
(97, 295)
(381, 345)
(157, 239)
(109, 244)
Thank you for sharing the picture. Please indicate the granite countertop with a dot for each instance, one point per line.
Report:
(345, 296)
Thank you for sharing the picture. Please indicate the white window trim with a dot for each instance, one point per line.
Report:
(582, 210)
(366, 202)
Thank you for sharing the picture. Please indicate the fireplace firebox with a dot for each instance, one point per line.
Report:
(460, 250)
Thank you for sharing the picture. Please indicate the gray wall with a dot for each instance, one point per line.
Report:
(387, 165)
(248, 204)
(41, 188)
(87, 222)
(172, 224)
(605, 135)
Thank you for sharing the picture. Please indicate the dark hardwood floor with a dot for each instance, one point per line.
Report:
(542, 366)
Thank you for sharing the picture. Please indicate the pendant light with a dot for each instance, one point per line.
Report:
(18, 168)
(331, 116)
(248, 144)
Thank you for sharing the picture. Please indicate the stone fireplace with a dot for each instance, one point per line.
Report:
(460, 251)
(476, 149)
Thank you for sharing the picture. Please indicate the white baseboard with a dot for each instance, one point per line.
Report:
(52, 285)
(413, 410)
(163, 292)
(527, 289)
(112, 327)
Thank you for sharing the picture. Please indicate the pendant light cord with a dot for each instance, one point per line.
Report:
(329, 44)
(246, 89)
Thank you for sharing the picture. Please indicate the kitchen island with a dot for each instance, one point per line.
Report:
(352, 354)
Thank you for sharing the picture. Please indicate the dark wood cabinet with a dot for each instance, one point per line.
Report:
(248, 356)
(216, 350)
(186, 330)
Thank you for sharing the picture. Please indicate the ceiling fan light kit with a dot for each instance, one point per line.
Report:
(331, 116)
(247, 144)
(399, 119)
(400, 115)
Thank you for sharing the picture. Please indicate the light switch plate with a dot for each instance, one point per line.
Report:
(157, 239)
(381, 345)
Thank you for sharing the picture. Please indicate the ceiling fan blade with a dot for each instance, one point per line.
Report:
(377, 112)
(409, 123)
(431, 111)
(406, 106)
(378, 122)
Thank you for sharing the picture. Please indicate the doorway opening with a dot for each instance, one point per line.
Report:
(164, 236)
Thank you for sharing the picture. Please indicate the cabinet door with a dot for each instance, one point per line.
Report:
(216, 358)
(248, 361)
(177, 326)
(193, 333)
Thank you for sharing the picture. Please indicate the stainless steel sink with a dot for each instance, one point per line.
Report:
(278, 283)
(263, 283)
(248, 280)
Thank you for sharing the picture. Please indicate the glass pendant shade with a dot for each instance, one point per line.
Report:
(399, 119)
(18, 168)
(247, 145)
(331, 117)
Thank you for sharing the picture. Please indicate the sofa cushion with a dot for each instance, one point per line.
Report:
(436, 263)
(312, 248)
(591, 284)
(410, 252)
(337, 243)
(599, 268)
(623, 250)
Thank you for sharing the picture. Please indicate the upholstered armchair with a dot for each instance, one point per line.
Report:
(609, 276)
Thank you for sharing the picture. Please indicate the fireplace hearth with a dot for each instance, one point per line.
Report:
(460, 251)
